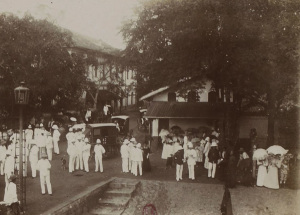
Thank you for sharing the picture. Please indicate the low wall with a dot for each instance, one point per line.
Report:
(80, 203)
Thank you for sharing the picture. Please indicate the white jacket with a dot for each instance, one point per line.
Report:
(86, 150)
(9, 165)
(44, 167)
(124, 151)
(99, 150)
(10, 194)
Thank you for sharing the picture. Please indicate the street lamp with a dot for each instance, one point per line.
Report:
(21, 99)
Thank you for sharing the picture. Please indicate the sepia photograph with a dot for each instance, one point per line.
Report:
(149, 107)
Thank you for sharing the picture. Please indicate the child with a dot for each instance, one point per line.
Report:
(284, 171)
(213, 157)
(178, 159)
(99, 151)
(191, 156)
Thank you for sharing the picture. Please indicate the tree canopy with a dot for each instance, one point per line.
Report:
(35, 51)
(248, 46)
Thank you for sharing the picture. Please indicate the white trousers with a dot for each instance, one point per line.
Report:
(79, 161)
(134, 168)
(191, 171)
(71, 163)
(45, 179)
(130, 164)
(33, 164)
(179, 169)
(98, 163)
(56, 148)
(86, 162)
(49, 153)
(124, 164)
(212, 169)
(139, 167)
(2, 167)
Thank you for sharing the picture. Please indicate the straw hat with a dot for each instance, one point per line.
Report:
(133, 140)
(98, 141)
(41, 125)
(213, 144)
(138, 145)
(54, 127)
(29, 126)
(73, 119)
(126, 141)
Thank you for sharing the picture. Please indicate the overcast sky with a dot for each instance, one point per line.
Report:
(100, 19)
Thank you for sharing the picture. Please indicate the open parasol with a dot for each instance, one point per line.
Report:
(260, 154)
(276, 149)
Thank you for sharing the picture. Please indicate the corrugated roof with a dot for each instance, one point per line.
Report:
(185, 110)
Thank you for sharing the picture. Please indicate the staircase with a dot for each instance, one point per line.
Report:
(115, 199)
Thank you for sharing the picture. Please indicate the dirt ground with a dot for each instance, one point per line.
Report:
(194, 198)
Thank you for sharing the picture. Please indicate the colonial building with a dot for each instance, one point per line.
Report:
(113, 83)
(204, 109)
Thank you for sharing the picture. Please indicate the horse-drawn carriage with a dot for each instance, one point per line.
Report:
(123, 122)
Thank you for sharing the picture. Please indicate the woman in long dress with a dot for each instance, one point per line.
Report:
(271, 179)
(262, 172)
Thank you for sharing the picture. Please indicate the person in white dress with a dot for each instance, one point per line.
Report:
(262, 172)
(86, 152)
(206, 150)
(191, 157)
(125, 156)
(44, 167)
(56, 137)
(131, 149)
(99, 151)
(9, 166)
(10, 196)
(33, 158)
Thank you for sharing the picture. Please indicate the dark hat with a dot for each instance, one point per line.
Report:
(12, 177)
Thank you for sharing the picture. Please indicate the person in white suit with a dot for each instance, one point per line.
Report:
(49, 146)
(33, 158)
(139, 159)
(2, 156)
(29, 136)
(72, 152)
(70, 136)
(125, 156)
(79, 144)
(86, 152)
(99, 151)
(56, 136)
(44, 167)
(191, 157)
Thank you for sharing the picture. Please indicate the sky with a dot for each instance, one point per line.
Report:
(99, 19)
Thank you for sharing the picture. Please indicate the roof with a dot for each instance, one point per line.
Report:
(102, 125)
(185, 110)
(120, 117)
(153, 93)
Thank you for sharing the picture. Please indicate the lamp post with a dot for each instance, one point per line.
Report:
(21, 99)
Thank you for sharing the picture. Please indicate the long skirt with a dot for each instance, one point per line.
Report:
(271, 179)
(262, 172)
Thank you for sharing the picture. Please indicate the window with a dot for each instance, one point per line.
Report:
(193, 96)
(171, 97)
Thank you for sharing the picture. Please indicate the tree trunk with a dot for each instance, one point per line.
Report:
(95, 99)
(271, 118)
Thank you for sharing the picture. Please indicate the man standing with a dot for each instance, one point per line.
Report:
(49, 146)
(125, 155)
(99, 151)
(56, 136)
(2, 156)
(86, 152)
(179, 159)
(33, 158)
(79, 146)
(72, 155)
(44, 167)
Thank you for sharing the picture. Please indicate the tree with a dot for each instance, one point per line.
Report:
(249, 47)
(36, 51)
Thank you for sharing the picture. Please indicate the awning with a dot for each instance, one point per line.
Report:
(202, 110)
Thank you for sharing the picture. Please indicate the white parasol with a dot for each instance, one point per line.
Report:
(164, 132)
(260, 154)
(276, 149)
(73, 119)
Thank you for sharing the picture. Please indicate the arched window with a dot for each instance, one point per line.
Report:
(171, 97)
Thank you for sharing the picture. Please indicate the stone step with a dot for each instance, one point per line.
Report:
(123, 184)
(117, 201)
(119, 192)
(107, 210)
